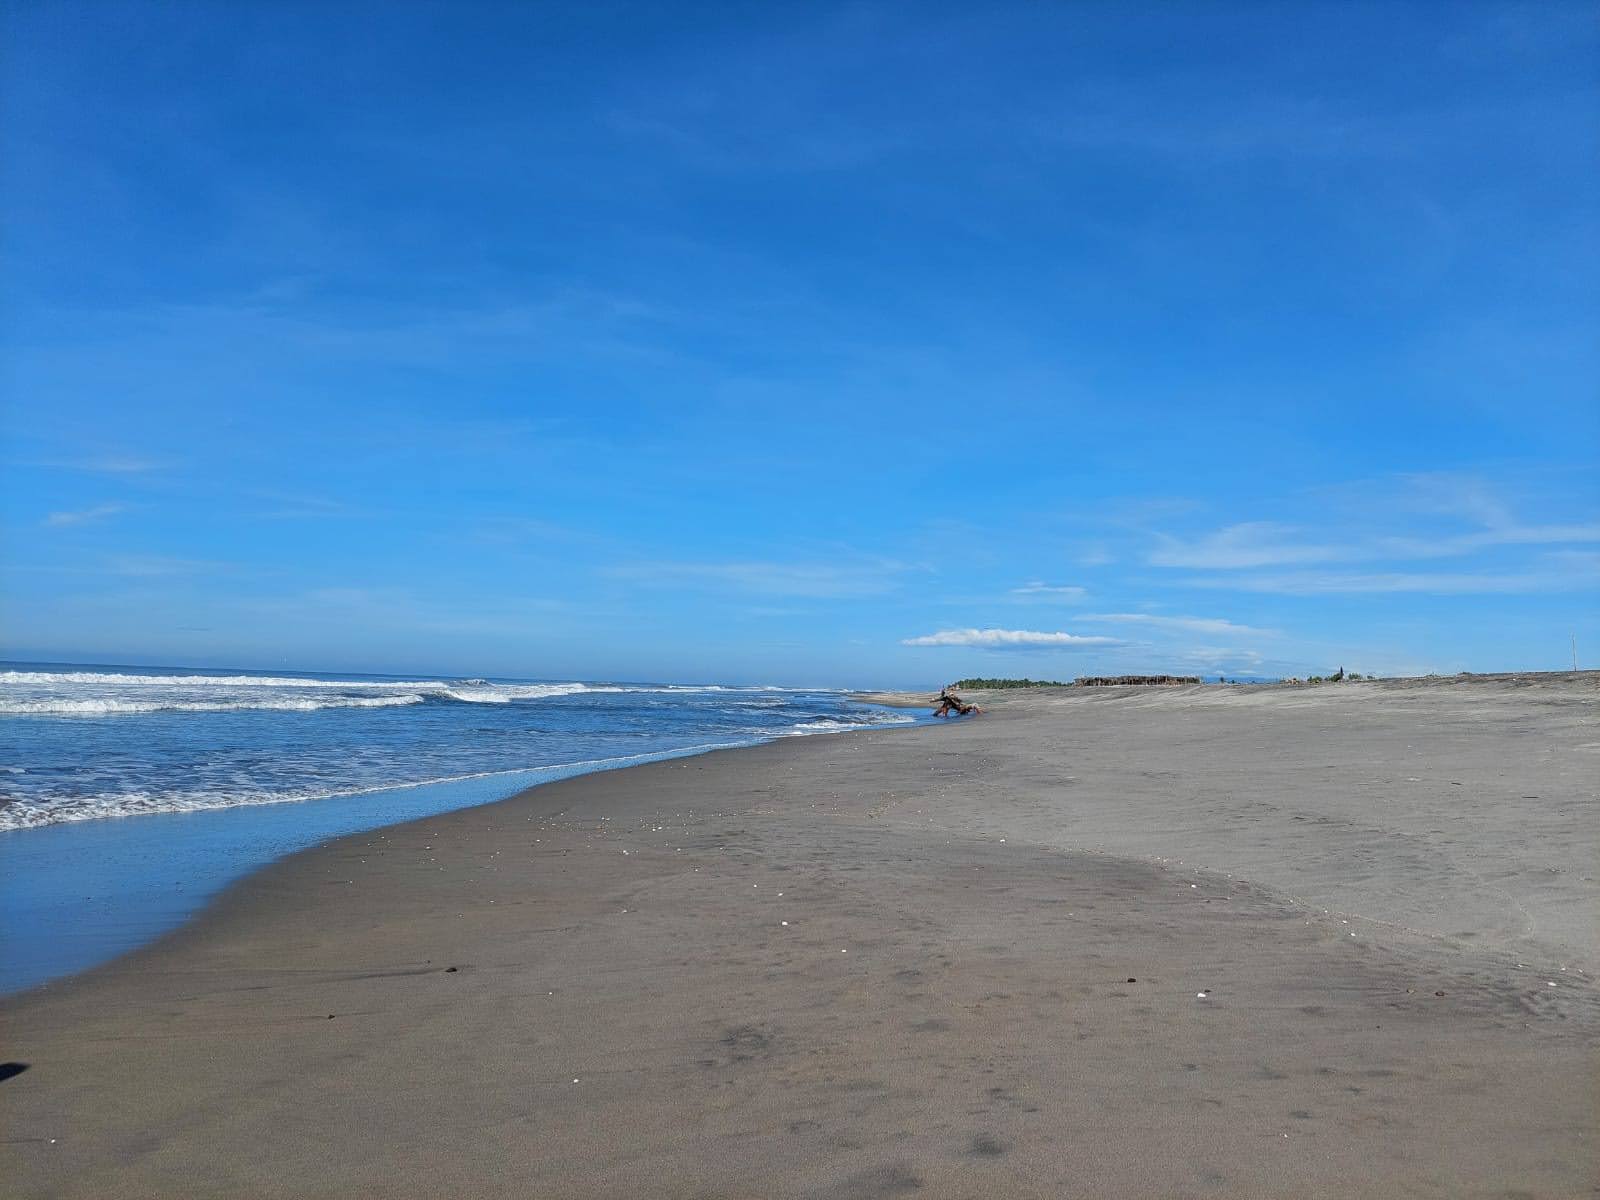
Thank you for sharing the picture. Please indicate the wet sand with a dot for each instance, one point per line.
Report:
(1121, 942)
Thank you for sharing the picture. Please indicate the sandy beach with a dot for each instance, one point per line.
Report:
(1222, 941)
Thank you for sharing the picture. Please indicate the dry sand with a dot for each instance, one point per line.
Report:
(1178, 942)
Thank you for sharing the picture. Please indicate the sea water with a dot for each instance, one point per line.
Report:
(128, 795)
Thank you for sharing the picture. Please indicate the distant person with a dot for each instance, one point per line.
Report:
(948, 702)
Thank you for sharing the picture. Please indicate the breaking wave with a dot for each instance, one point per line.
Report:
(870, 719)
(60, 693)
(31, 815)
(108, 707)
(82, 744)
(117, 679)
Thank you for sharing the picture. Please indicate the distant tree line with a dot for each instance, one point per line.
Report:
(1340, 676)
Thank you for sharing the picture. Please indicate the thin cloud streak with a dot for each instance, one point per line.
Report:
(83, 516)
(1040, 588)
(1316, 583)
(1269, 544)
(1209, 625)
(820, 581)
(1509, 535)
(1007, 639)
(105, 464)
(1248, 544)
(152, 566)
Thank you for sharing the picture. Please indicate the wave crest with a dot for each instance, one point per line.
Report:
(93, 694)
(31, 814)
(103, 707)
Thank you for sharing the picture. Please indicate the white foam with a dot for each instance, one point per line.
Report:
(91, 694)
(29, 814)
(113, 678)
(102, 707)
(96, 694)
(709, 688)
(504, 693)
(136, 779)
(864, 720)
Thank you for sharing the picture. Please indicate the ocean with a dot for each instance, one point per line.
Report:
(129, 795)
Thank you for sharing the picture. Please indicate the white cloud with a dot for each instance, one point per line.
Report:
(1211, 625)
(83, 516)
(1006, 638)
(1040, 588)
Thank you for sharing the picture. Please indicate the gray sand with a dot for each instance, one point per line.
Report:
(1177, 942)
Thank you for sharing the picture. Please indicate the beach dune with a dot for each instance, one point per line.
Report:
(1332, 941)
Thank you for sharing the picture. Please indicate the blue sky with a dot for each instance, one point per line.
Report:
(867, 344)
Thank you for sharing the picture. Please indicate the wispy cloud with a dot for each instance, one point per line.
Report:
(1248, 544)
(1220, 656)
(1474, 517)
(1208, 625)
(1448, 494)
(1003, 639)
(511, 531)
(105, 464)
(83, 516)
(1040, 588)
(300, 506)
(1322, 583)
(821, 581)
(146, 566)
(1468, 543)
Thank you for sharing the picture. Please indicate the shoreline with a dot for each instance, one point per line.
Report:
(945, 1007)
(106, 846)
(132, 867)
